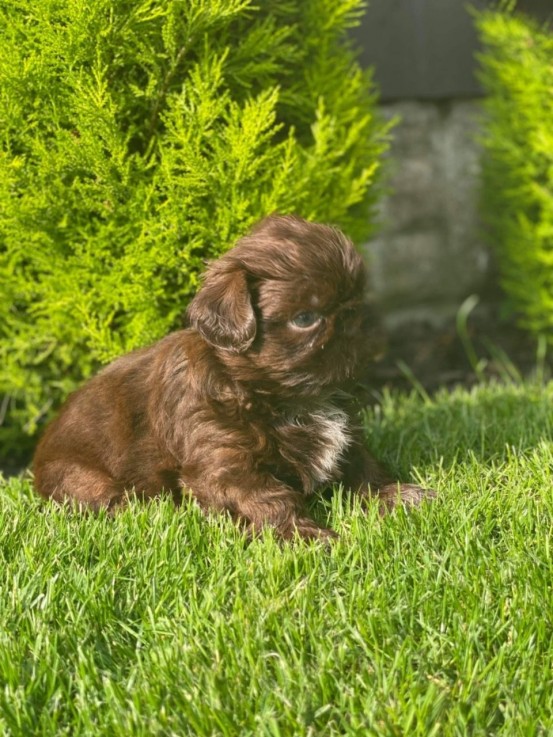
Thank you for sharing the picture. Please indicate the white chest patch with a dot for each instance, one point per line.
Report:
(327, 426)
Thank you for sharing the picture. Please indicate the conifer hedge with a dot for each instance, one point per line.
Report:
(141, 137)
(517, 73)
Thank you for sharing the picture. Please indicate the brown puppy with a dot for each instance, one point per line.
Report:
(246, 408)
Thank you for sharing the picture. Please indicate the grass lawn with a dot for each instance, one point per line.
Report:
(437, 622)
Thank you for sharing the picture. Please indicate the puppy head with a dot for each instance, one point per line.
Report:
(288, 299)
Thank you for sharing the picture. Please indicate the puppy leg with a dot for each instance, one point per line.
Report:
(66, 481)
(396, 494)
(267, 505)
(283, 509)
(364, 475)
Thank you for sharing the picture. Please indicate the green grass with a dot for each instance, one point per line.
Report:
(437, 622)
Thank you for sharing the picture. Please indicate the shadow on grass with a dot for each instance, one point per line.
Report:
(487, 422)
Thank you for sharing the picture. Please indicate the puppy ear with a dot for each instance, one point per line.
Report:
(222, 311)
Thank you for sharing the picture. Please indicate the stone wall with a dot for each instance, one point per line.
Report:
(429, 253)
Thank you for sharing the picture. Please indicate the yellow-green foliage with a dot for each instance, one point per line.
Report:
(517, 72)
(140, 137)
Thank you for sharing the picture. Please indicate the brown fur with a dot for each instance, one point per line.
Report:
(244, 409)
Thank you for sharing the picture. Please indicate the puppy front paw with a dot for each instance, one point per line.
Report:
(397, 494)
(307, 529)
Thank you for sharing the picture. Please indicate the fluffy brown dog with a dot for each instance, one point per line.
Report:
(246, 408)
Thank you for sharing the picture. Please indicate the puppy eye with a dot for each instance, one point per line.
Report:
(305, 319)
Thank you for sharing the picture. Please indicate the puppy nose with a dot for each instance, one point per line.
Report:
(372, 329)
(363, 324)
(351, 320)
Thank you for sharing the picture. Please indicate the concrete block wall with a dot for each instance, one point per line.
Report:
(429, 253)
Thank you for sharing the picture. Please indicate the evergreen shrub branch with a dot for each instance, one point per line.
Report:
(140, 137)
(517, 72)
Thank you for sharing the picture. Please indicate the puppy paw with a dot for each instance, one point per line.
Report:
(408, 495)
(307, 529)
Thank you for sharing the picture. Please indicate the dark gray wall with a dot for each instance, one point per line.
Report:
(424, 49)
